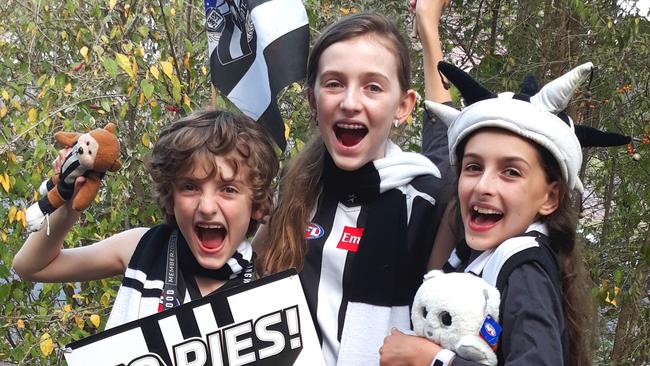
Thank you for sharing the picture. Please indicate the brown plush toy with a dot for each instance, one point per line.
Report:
(92, 155)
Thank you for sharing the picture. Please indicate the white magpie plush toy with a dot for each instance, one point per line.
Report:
(459, 312)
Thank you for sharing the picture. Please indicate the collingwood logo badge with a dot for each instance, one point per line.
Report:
(229, 25)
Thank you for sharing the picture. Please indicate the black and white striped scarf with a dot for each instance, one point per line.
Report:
(144, 279)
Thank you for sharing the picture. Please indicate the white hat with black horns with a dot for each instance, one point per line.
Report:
(534, 115)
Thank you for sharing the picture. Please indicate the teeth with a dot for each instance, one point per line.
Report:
(210, 226)
(486, 211)
(350, 126)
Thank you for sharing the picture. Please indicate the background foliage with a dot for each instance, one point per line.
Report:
(77, 65)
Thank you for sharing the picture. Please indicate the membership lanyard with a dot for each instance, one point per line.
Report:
(170, 296)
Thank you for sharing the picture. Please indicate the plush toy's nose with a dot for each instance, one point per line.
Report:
(80, 150)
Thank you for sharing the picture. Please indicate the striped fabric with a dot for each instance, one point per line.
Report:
(353, 316)
(257, 47)
(139, 294)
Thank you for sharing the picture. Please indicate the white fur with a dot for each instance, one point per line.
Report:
(468, 299)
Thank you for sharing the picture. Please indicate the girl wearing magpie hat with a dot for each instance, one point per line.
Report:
(518, 158)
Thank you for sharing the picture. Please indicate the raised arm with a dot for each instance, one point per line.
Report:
(42, 257)
(427, 14)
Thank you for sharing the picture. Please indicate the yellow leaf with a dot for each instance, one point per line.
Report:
(140, 51)
(5, 95)
(20, 324)
(4, 236)
(134, 70)
(46, 344)
(32, 115)
(186, 100)
(105, 299)
(204, 70)
(111, 4)
(140, 99)
(12, 214)
(124, 62)
(186, 61)
(145, 140)
(68, 88)
(12, 157)
(172, 12)
(3, 111)
(84, 53)
(20, 216)
(611, 300)
(67, 308)
(167, 68)
(95, 320)
(409, 120)
(79, 320)
(344, 11)
(154, 71)
(287, 130)
(16, 104)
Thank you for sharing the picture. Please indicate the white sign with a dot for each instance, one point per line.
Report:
(265, 322)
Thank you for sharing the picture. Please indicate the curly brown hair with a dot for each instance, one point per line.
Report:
(207, 133)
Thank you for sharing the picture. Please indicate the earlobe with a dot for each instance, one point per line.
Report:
(258, 214)
(552, 200)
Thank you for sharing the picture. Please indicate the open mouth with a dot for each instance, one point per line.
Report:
(350, 134)
(210, 236)
(482, 216)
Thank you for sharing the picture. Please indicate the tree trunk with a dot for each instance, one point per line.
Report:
(630, 338)
(609, 196)
(496, 5)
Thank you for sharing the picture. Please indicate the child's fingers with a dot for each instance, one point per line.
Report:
(58, 163)
(412, 4)
(78, 183)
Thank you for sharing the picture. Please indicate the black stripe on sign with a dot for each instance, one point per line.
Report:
(187, 323)
(222, 313)
(155, 341)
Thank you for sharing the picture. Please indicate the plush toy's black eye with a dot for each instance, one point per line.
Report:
(445, 318)
(87, 143)
(424, 312)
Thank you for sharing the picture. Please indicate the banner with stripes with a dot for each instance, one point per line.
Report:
(256, 48)
(264, 322)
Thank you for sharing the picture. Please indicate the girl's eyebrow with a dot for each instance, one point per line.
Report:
(505, 159)
(368, 74)
(471, 156)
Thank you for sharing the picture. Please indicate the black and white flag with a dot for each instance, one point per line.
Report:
(256, 48)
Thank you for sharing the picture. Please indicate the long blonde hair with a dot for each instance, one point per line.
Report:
(301, 185)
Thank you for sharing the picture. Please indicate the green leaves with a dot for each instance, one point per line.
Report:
(111, 66)
(147, 88)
